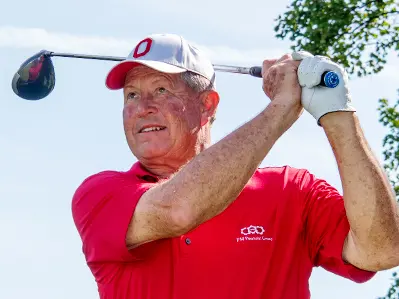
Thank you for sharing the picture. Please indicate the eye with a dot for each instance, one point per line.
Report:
(161, 90)
(132, 96)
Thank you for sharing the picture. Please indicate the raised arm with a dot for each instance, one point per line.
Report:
(211, 181)
(373, 215)
(373, 241)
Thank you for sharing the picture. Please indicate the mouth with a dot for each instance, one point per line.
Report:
(149, 129)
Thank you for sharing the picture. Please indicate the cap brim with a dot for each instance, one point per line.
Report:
(116, 76)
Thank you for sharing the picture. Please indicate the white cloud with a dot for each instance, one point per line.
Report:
(38, 39)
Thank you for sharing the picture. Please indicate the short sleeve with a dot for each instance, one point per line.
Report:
(326, 227)
(102, 208)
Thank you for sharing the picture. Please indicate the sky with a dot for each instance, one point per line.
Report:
(48, 147)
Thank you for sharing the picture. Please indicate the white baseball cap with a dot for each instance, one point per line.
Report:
(167, 53)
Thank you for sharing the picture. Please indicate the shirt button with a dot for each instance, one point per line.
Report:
(188, 241)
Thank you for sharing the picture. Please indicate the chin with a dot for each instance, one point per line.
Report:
(150, 152)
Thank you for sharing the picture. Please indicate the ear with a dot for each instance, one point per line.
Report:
(209, 103)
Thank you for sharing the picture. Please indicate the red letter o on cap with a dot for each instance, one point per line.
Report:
(148, 42)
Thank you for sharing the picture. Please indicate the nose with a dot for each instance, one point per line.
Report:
(146, 106)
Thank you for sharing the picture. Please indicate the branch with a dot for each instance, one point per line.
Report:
(396, 40)
(367, 3)
(367, 22)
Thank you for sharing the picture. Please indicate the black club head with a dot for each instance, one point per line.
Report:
(35, 79)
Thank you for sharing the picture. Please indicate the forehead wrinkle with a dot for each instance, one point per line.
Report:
(140, 73)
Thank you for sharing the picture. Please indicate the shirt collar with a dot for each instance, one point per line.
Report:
(142, 173)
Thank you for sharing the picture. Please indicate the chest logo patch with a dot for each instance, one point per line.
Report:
(253, 233)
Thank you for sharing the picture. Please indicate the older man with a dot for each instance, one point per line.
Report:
(195, 220)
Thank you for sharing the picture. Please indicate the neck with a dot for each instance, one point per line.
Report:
(166, 167)
(161, 171)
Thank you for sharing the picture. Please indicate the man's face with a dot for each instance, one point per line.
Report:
(161, 116)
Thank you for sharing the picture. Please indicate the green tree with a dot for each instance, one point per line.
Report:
(359, 35)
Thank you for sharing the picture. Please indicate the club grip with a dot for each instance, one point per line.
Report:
(328, 79)
(256, 71)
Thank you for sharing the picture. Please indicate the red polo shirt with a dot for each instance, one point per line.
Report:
(264, 245)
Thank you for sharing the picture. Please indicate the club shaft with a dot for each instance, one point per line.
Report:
(217, 67)
(255, 71)
(85, 56)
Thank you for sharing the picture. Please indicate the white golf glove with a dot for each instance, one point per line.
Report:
(320, 100)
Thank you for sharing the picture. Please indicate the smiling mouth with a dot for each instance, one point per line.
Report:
(152, 129)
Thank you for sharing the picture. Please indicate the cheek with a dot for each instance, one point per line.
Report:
(128, 112)
(176, 110)
(181, 113)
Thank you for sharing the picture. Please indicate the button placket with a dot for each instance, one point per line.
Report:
(186, 243)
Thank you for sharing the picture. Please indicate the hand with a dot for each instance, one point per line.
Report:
(280, 84)
(319, 100)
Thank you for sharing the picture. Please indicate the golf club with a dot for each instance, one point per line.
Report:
(35, 78)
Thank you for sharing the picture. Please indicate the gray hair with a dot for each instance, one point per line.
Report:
(198, 84)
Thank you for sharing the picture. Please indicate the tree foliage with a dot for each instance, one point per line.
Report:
(393, 292)
(358, 35)
(389, 117)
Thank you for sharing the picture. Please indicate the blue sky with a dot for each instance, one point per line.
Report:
(48, 147)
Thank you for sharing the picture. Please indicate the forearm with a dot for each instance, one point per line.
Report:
(369, 200)
(212, 180)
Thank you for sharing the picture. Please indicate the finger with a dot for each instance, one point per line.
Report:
(307, 96)
(286, 56)
(303, 70)
(300, 55)
(308, 75)
(266, 65)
